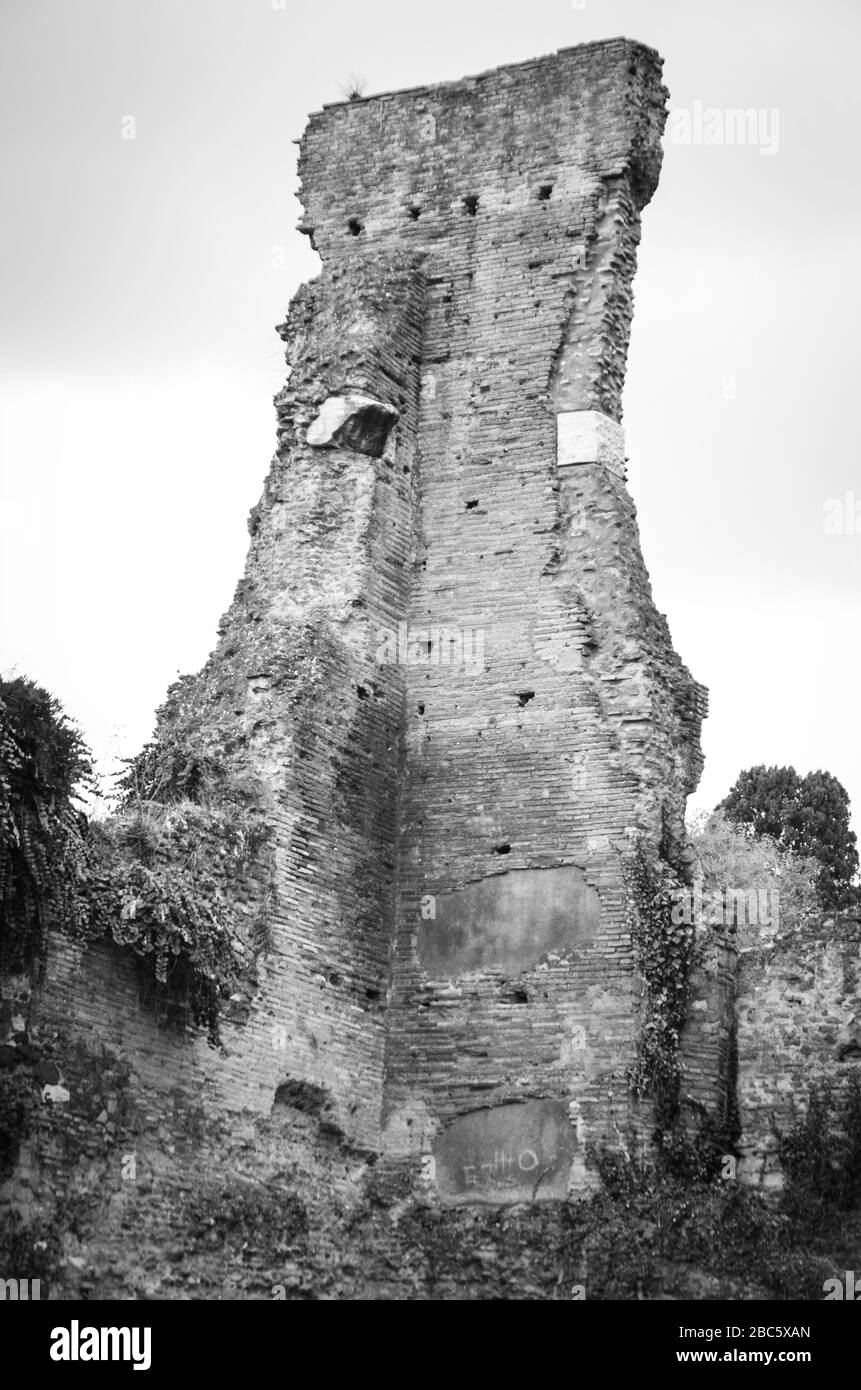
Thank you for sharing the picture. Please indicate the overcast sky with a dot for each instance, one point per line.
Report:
(142, 279)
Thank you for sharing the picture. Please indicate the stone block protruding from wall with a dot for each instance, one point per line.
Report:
(588, 436)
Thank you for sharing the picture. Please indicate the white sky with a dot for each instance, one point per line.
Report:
(141, 281)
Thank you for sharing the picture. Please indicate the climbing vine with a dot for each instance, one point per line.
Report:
(665, 951)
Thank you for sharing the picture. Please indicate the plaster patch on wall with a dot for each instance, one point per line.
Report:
(509, 921)
(510, 1153)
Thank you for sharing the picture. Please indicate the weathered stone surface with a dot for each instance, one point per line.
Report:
(798, 1024)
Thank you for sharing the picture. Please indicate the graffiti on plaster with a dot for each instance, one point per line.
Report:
(503, 1171)
(512, 1152)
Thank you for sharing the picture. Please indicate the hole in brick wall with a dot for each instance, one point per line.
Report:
(524, 696)
(302, 1095)
(502, 849)
(415, 212)
(517, 996)
(545, 192)
(470, 202)
(421, 709)
(354, 226)
(362, 692)
(471, 506)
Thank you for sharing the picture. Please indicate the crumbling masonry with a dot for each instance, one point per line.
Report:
(442, 682)
(471, 705)
(443, 674)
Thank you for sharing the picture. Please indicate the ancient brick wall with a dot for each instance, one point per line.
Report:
(442, 684)
(564, 725)
(708, 1048)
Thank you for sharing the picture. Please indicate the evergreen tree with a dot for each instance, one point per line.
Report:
(807, 815)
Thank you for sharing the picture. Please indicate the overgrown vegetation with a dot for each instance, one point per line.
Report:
(150, 878)
(44, 763)
(682, 1227)
(31, 1251)
(821, 1154)
(688, 1209)
(354, 88)
(730, 858)
(665, 953)
(809, 816)
(18, 1102)
(650, 1225)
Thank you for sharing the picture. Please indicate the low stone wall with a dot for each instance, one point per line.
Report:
(798, 1023)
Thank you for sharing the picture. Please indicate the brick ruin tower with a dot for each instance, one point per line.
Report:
(507, 710)
(442, 683)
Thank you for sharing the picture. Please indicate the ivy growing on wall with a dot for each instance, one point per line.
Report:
(665, 952)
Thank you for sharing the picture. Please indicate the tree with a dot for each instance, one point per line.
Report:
(43, 763)
(807, 815)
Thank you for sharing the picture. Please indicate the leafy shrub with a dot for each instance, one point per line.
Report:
(147, 878)
(170, 768)
(730, 857)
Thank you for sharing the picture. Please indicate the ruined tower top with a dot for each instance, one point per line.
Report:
(527, 171)
(546, 128)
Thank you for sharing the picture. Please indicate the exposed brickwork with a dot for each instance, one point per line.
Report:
(708, 1048)
(528, 316)
(478, 243)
